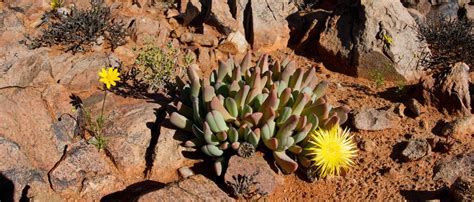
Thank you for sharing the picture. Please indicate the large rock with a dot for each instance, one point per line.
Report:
(84, 170)
(194, 188)
(268, 26)
(130, 138)
(459, 128)
(366, 39)
(448, 90)
(415, 150)
(372, 119)
(448, 170)
(168, 155)
(16, 171)
(25, 119)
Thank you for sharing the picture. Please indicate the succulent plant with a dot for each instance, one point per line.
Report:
(273, 103)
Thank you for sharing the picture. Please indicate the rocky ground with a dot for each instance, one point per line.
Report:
(414, 130)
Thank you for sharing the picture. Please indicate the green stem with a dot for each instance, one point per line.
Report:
(103, 103)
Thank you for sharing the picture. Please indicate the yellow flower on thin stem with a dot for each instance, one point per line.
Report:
(109, 77)
(331, 151)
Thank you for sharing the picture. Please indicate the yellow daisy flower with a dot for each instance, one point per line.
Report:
(109, 77)
(331, 151)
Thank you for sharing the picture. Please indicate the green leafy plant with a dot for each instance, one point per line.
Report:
(55, 4)
(378, 78)
(156, 68)
(274, 104)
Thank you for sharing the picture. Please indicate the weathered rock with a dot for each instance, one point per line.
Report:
(194, 188)
(365, 39)
(366, 144)
(190, 9)
(31, 68)
(414, 107)
(82, 163)
(169, 155)
(423, 6)
(448, 90)
(444, 9)
(268, 24)
(261, 179)
(448, 170)
(463, 189)
(415, 150)
(200, 39)
(234, 44)
(16, 169)
(131, 136)
(221, 17)
(459, 127)
(26, 121)
(372, 119)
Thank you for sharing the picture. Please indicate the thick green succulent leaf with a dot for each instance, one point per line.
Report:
(242, 96)
(301, 135)
(287, 72)
(217, 106)
(254, 137)
(300, 103)
(276, 70)
(233, 135)
(211, 150)
(286, 130)
(284, 98)
(287, 164)
(342, 113)
(285, 113)
(181, 122)
(196, 110)
(184, 110)
(195, 142)
(231, 106)
(219, 166)
(194, 79)
(245, 64)
(295, 149)
(216, 121)
(223, 71)
(309, 77)
(320, 90)
(296, 79)
(271, 143)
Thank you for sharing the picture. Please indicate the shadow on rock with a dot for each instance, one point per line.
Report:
(155, 135)
(419, 195)
(7, 189)
(134, 191)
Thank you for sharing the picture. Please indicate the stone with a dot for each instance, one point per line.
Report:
(261, 178)
(130, 138)
(414, 107)
(423, 6)
(29, 69)
(448, 90)
(82, 163)
(444, 9)
(189, 10)
(31, 131)
(459, 127)
(366, 144)
(415, 150)
(221, 17)
(363, 40)
(372, 119)
(463, 189)
(168, 155)
(200, 39)
(269, 27)
(449, 169)
(234, 44)
(194, 188)
(16, 169)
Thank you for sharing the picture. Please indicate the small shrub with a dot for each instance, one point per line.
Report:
(449, 41)
(378, 78)
(155, 68)
(78, 30)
